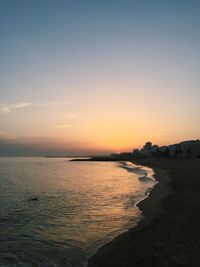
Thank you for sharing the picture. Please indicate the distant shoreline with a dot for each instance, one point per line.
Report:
(168, 234)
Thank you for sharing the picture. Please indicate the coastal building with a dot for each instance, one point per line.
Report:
(147, 150)
(185, 149)
(190, 148)
(136, 152)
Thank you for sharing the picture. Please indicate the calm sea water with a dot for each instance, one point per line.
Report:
(79, 207)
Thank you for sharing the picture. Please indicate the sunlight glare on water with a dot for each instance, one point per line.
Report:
(55, 212)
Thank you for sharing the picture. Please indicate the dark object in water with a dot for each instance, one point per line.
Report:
(34, 199)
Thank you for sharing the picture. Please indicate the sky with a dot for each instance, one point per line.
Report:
(94, 77)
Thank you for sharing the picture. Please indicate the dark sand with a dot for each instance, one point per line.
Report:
(169, 234)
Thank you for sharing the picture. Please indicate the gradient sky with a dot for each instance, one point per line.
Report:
(98, 76)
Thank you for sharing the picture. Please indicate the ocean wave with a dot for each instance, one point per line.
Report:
(133, 168)
(146, 179)
(145, 175)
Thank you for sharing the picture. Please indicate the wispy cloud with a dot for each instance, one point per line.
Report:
(50, 104)
(72, 115)
(8, 108)
(167, 130)
(7, 135)
(64, 126)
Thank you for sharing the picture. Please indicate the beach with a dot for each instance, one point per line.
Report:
(168, 234)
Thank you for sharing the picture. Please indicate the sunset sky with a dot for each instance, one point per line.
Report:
(88, 77)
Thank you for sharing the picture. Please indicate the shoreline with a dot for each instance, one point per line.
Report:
(159, 239)
(123, 231)
(151, 206)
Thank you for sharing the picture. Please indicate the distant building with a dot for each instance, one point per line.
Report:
(147, 146)
(136, 152)
(190, 148)
(154, 148)
(185, 149)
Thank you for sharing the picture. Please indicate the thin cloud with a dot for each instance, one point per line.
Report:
(4, 108)
(167, 130)
(51, 104)
(8, 108)
(7, 135)
(64, 126)
(72, 115)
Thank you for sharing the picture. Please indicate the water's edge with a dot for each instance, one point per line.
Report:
(140, 204)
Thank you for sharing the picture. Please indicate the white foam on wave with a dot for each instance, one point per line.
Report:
(146, 179)
(146, 172)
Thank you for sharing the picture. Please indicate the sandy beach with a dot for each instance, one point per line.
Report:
(169, 233)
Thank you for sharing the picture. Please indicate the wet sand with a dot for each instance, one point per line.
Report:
(169, 234)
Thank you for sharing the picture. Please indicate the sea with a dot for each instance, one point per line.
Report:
(58, 212)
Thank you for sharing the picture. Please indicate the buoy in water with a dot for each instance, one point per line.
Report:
(34, 199)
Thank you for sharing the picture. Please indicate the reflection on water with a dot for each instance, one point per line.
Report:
(56, 213)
